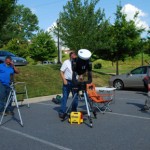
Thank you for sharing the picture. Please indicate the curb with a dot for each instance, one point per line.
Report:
(39, 99)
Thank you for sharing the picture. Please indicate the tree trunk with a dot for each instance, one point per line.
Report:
(117, 67)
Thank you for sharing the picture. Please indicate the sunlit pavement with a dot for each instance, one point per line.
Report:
(125, 128)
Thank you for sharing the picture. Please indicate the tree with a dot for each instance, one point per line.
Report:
(124, 39)
(105, 42)
(18, 47)
(21, 25)
(79, 24)
(6, 8)
(42, 47)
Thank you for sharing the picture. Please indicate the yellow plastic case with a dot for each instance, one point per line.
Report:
(76, 117)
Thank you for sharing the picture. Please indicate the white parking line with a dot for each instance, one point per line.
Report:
(47, 104)
(132, 99)
(36, 139)
(126, 115)
(112, 113)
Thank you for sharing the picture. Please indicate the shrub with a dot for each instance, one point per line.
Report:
(30, 61)
(97, 66)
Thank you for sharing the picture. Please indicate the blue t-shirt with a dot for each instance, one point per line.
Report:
(5, 73)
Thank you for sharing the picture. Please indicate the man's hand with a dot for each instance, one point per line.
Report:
(63, 78)
(65, 82)
(15, 69)
(12, 64)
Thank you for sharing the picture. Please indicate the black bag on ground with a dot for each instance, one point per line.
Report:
(57, 100)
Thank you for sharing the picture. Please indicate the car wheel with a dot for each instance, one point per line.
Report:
(118, 84)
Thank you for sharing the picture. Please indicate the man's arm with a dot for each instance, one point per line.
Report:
(63, 77)
(15, 69)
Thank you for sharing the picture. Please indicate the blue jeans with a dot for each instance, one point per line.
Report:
(4, 93)
(66, 90)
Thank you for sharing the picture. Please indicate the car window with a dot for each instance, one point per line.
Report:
(5, 53)
(2, 53)
(144, 70)
(8, 54)
(140, 70)
(148, 71)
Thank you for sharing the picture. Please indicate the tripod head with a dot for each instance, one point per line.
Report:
(12, 83)
(80, 66)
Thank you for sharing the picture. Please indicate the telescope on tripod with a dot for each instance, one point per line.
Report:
(12, 98)
(80, 66)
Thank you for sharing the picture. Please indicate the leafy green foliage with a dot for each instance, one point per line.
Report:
(18, 47)
(6, 8)
(127, 36)
(122, 39)
(79, 24)
(42, 47)
(21, 25)
(146, 44)
(97, 66)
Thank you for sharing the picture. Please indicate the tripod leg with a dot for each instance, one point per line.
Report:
(68, 109)
(91, 106)
(7, 103)
(15, 100)
(27, 96)
(88, 111)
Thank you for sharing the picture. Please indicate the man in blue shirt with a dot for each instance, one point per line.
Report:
(7, 69)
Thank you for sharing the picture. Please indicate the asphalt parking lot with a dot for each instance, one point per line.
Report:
(125, 128)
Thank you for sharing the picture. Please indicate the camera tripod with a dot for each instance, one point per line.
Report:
(89, 107)
(12, 98)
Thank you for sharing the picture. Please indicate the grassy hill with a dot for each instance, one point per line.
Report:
(124, 66)
(45, 80)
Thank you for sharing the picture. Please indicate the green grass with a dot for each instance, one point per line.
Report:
(43, 80)
(124, 66)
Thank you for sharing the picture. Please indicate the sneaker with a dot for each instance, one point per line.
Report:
(61, 115)
(145, 108)
(9, 113)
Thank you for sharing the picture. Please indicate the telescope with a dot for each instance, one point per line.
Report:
(80, 66)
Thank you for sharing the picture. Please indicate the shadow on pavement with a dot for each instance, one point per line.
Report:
(136, 104)
(135, 89)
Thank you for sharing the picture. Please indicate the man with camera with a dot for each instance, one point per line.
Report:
(7, 70)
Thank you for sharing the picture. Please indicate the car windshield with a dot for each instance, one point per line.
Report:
(10, 54)
(5, 53)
